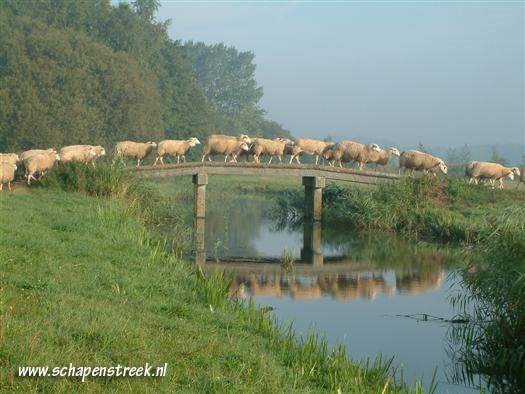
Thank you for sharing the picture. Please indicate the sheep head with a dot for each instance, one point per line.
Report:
(394, 151)
(375, 147)
(443, 167)
(194, 142)
(516, 171)
(244, 146)
(100, 151)
(245, 138)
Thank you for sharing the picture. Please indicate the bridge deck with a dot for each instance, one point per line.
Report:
(256, 169)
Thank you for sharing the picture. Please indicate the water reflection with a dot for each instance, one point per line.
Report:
(349, 286)
(270, 280)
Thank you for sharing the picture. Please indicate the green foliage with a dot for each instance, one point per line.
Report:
(106, 180)
(497, 158)
(226, 76)
(492, 344)
(88, 72)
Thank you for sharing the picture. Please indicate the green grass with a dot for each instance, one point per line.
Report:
(83, 281)
(492, 344)
(421, 208)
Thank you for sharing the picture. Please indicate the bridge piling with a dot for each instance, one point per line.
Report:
(311, 251)
(200, 180)
(313, 197)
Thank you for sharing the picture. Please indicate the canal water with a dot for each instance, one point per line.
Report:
(370, 292)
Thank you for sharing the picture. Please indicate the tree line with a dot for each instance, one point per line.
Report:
(91, 72)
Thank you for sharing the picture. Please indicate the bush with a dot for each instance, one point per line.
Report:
(106, 180)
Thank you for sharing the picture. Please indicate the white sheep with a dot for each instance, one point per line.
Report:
(136, 150)
(28, 153)
(312, 147)
(271, 148)
(226, 145)
(175, 147)
(11, 158)
(40, 163)
(421, 161)
(350, 151)
(383, 156)
(7, 174)
(492, 172)
(80, 153)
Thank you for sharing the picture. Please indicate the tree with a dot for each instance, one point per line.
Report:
(496, 158)
(453, 157)
(464, 154)
(421, 147)
(226, 76)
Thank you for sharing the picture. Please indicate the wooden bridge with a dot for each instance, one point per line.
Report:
(313, 177)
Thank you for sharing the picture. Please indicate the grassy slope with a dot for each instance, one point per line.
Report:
(81, 281)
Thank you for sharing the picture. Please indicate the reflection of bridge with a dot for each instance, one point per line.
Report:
(343, 281)
(314, 180)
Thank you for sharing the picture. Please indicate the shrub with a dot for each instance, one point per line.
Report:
(105, 180)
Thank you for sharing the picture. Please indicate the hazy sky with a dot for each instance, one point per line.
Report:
(444, 74)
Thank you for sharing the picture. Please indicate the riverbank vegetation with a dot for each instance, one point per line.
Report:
(85, 282)
(490, 225)
(421, 208)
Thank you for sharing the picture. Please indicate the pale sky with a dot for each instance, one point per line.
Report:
(444, 73)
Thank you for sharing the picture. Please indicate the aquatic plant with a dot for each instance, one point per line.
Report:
(492, 343)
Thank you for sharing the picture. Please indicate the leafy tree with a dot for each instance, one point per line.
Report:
(421, 147)
(79, 71)
(453, 157)
(226, 76)
(496, 158)
(464, 154)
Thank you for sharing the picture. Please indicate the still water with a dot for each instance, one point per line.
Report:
(358, 294)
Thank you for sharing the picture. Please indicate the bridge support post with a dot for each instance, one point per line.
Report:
(311, 251)
(313, 197)
(200, 181)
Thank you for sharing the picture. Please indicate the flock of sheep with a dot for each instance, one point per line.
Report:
(37, 162)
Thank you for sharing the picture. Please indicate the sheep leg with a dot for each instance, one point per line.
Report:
(1, 186)
(316, 159)
(156, 159)
(280, 159)
(178, 159)
(297, 159)
(9, 186)
(162, 160)
(184, 158)
(501, 183)
(291, 159)
(203, 157)
(225, 158)
(270, 161)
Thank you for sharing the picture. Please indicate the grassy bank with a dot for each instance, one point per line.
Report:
(83, 282)
(421, 208)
